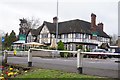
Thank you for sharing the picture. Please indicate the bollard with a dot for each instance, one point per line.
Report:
(5, 56)
(79, 61)
(29, 58)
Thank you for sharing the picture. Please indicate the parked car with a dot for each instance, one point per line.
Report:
(117, 50)
(100, 56)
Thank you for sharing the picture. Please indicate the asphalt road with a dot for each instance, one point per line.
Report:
(99, 67)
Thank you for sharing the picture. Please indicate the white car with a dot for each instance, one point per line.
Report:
(99, 50)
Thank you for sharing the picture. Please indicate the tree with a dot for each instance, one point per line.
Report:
(113, 40)
(9, 39)
(12, 37)
(60, 45)
(26, 24)
(33, 23)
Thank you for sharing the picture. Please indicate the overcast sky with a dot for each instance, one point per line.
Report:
(12, 10)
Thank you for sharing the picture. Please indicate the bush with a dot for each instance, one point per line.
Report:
(60, 45)
(79, 47)
(61, 54)
(70, 54)
(65, 54)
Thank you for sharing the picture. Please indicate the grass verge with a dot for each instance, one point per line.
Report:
(43, 74)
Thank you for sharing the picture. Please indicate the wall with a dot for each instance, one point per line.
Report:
(44, 54)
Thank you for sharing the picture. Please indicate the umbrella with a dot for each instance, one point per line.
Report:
(19, 42)
(34, 44)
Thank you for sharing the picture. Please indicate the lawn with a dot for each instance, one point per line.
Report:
(55, 74)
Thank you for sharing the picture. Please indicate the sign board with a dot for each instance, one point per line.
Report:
(22, 37)
(94, 33)
(3, 39)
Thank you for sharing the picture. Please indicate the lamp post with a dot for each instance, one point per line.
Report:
(118, 24)
(2, 40)
(57, 26)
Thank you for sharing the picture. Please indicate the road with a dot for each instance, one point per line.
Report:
(99, 67)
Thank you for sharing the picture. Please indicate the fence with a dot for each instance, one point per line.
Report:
(19, 53)
(79, 53)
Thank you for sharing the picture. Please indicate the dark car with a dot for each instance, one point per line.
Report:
(100, 56)
(117, 50)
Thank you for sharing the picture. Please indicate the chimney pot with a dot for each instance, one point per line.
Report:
(55, 19)
(93, 15)
(100, 26)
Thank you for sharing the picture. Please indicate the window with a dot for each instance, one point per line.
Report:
(99, 38)
(86, 36)
(29, 38)
(82, 36)
(65, 35)
(45, 35)
(77, 35)
(59, 36)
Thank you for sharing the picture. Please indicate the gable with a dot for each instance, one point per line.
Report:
(44, 30)
(29, 33)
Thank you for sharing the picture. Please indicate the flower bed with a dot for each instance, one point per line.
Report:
(11, 71)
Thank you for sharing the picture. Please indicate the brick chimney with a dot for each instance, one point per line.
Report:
(100, 26)
(55, 19)
(93, 26)
(93, 22)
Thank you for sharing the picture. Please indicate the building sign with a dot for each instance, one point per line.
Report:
(22, 37)
(94, 33)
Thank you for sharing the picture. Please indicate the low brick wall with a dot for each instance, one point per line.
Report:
(35, 53)
(44, 54)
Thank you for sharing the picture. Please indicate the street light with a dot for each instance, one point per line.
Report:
(2, 40)
(57, 26)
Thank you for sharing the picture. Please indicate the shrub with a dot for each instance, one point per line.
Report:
(60, 45)
(61, 54)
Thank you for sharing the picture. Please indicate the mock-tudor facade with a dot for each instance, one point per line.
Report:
(72, 33)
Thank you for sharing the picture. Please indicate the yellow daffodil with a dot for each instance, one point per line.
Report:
(2, 78)
(10, 69)
(15, 73)
(10, 74)
(25, 71)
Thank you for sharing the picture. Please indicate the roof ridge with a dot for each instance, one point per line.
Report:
(69, 21)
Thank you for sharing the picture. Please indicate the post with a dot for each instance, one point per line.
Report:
(2, 51)
(5, 56)
(29, 58)
(79, 61)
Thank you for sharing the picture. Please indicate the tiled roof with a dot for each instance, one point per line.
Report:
(36, 32)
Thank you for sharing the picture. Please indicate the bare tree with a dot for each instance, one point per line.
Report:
(114, 38)
(33, 23)
(26, 24)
